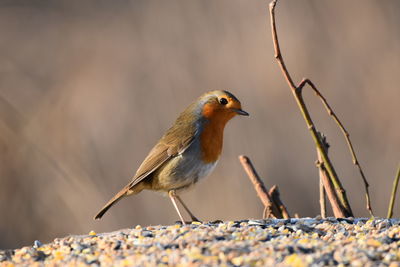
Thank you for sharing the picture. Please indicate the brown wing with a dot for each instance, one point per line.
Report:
(176, 140)
(157, 156)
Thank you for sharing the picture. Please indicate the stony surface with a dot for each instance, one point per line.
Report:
(293, 242)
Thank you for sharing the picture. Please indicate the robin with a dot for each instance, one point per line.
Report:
(187, 152)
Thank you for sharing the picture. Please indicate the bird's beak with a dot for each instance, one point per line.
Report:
(240, 112)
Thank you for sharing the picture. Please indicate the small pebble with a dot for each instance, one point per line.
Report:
(37, 244)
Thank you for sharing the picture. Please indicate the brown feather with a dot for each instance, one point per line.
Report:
(176, 140)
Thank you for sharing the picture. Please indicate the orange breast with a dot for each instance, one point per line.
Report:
(211, 138)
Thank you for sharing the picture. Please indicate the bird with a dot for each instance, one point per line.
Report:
(186, 153)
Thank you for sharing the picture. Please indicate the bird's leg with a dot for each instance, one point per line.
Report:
(187, 209)
(173, 197)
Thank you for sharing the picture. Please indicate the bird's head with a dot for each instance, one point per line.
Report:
(220, 105)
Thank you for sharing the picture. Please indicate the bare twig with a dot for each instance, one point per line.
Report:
(275, 196)
(338, 210)
(297, 92)
(265, 213)
(393, 196)
(322, 196)
(345, 134)
(322, 175)
(262, 192)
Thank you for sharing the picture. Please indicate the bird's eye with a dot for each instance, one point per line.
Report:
(223, 101)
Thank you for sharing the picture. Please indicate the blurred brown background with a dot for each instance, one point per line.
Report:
(88, 87)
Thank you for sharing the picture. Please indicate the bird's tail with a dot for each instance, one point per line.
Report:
(112, 201)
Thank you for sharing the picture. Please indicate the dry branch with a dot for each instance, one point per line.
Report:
(299, 99)
(322, 175)
(297, 93)
(338, 210)
(322, 196)
(275, 196)
(393, 196)
(345, 134)
(271, 210)
(265, 213)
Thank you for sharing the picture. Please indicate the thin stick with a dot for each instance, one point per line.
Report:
(275, 196)
(322, 195)
(303, 108)
(265, 213)
(322, 174)
(338, 210)
(393, 196)
(262, 192)
(345, 134)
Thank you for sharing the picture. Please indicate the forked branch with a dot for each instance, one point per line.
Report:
(297, 92)
(271, 209)
(345, 134)
(275, 196)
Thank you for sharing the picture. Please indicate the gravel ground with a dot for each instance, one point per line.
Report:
(293, 242)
